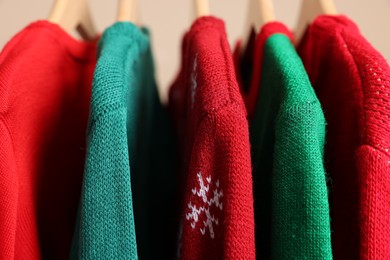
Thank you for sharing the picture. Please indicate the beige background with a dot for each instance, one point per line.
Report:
(168, 20)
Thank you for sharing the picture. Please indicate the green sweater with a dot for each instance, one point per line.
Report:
(287, 137)
(128, 132)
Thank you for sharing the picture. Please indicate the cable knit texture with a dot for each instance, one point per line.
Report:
(217, 216)
(351, 80)
(125, 115)
(287, 130)
(45, 79)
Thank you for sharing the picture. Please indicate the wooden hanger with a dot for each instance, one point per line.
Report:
(260, 12)
(128, 11)
(201, 8)
(73, 14)
(310, 9)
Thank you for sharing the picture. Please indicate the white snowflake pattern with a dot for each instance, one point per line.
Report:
(215, 200)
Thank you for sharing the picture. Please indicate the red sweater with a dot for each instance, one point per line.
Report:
(351, 80)
(217, 217)
(248, 63)
(45, 79)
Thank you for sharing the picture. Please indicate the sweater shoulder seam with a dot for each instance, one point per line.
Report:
(93, 119)
(376, 148)
(4, 122)
(285, 110)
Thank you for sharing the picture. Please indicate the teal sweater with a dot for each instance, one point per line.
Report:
(128, 132)
(287, 137)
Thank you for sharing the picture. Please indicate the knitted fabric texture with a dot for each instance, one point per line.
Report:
(287, 131)
(351, 80)
(128, 132)
(217, 217)
(45, 79)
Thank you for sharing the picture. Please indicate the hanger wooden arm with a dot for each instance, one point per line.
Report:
(201, 8)
(310, 9)
(128, 11)
(260, 12)
(73, 14)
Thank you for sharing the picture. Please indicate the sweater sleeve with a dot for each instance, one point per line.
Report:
(8, 195)
(299, 183)
(106, 212)
(218, 210)
(374, 213)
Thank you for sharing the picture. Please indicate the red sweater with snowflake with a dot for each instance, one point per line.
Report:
(210, 116)
(45, 83)
(352, 82)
